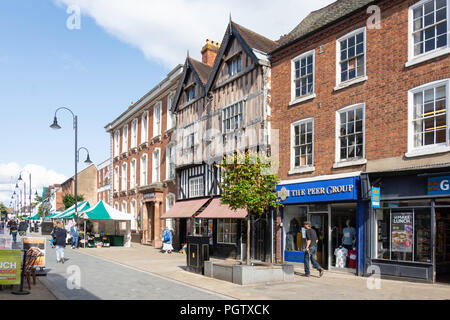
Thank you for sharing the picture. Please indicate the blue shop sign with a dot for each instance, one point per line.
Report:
(439, 185)
(319, 191)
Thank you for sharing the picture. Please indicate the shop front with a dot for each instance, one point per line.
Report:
(409, 234)
(336, 212)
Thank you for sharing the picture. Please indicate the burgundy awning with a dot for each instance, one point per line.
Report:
(184, 209)
(215, 210)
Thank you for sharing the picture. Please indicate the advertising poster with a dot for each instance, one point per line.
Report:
(39, 243)
(402, 232)
(10, 264)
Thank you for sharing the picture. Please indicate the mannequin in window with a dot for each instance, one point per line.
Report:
(349, 237)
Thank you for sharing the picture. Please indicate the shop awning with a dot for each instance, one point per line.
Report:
(184, 209)
(70, 213)
(103, 211)
(216, 210)
(35, 217)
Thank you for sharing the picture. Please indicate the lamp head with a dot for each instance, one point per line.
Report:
(55, 124)
(20, 177)
(88, 160)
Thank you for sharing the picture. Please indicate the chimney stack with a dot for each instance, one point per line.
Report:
(209, 52)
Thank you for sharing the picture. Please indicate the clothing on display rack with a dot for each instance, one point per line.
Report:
(341, 257)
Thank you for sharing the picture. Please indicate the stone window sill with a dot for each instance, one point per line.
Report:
(302, 99)
(349, 83)
(301, 170)
(427, 151)
(427, 56)
(344, 164)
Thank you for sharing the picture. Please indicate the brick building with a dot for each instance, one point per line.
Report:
(86, 184)
(143, 159)
(104, 182)
(357, 107)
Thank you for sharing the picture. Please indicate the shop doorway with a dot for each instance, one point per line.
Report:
(443, 245)
(319, 222)
(343, 237)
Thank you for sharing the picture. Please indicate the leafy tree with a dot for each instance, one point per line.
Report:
(3, 209)
(248, 183)
(69, 200)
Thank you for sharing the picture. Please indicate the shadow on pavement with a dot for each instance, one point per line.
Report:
(58, 285)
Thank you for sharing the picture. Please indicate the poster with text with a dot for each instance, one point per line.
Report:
(402, 232)
(39, 243)
(10, 267)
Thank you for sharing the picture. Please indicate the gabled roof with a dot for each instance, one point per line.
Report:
(249, 40)
(321, 18)
(201, 72)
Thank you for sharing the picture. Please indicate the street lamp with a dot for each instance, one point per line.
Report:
(56, 126)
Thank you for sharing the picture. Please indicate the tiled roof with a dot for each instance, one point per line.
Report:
(203, 70)
(322, 17)
(255, 40)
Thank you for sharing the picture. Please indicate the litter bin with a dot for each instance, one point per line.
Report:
(197, 253)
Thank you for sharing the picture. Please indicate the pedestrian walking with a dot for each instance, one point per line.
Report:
(60, 242)
(311, 249)
(13, 230)
(23, 226)
(74, 234)
(167, 240)
(53, 234)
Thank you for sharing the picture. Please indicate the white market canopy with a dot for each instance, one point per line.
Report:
(70, 213)
(103, 211)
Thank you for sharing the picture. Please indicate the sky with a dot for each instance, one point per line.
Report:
(96, 64)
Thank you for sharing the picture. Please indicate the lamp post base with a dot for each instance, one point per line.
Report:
(21, 293)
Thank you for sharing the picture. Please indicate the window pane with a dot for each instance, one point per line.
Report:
(418, 12)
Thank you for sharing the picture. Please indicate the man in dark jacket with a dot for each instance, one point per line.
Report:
(60, 242)
(311, 249)
(23, 226)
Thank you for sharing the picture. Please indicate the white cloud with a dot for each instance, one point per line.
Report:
(40, 177)
(165, 30)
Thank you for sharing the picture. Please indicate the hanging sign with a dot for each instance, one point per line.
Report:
(376, 192)
(402, 232)
(10, 267)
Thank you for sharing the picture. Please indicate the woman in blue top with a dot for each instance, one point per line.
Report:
(167, 240)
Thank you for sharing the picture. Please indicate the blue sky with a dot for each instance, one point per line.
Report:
(123, 49)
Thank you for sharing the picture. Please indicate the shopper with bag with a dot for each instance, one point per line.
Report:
(167, 241)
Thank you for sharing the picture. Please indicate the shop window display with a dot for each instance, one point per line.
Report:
(343, 233)
(294, 217)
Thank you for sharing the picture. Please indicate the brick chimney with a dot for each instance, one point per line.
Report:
(209, 52)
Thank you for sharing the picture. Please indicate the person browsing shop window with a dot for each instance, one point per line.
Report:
(311, 250)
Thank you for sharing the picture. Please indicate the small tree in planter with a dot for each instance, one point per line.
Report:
(248, 182)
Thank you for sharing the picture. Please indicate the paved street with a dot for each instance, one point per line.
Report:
(102, 279)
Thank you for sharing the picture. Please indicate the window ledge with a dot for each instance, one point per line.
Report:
(352, 163)
(346, 84)
(302, 99)
(427, 151)
(427, 56)
(301, 170)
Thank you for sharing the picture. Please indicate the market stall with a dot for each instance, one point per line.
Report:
(108, 226)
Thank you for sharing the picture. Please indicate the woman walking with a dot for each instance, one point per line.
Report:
(60, 242)
(13, 230)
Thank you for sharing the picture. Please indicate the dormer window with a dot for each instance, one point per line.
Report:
(234, 66)
(190, 94)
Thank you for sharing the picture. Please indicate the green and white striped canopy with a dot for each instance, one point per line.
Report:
(35, 217)
(70, 213)
(103, 211)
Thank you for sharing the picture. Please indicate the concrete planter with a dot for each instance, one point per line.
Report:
(244, 275)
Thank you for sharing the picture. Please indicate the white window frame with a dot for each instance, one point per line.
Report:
(156, 165)
(170, 160)
(144, 127)
(116, 205)
(171, 121)
(357, 79)
(134, 129)
(133, 211)
(413, 60)
(125, 139)
(133, 166)
(143, 174)
(194, 187)
(344, 163)
(116, 178)
(306, 168)
(308, 96)
(157, 120)
(124, 169)
(430, 149)
(124, 203)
